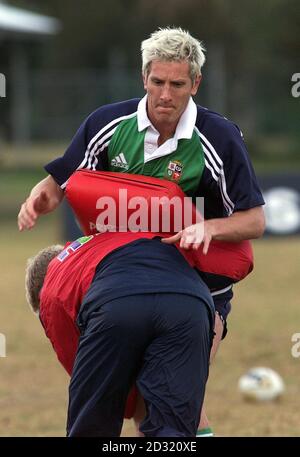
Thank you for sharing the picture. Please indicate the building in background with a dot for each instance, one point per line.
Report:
(19, 30)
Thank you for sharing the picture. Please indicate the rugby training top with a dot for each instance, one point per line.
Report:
(207, 156)
(124, 268)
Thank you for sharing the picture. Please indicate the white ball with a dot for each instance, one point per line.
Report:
(261, 384)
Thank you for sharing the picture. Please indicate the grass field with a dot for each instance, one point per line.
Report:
(266, 312)
(33, 386)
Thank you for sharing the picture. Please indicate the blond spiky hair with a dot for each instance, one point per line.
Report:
(173, 44)
(36, 270)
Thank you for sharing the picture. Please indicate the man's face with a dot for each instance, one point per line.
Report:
(169, 87)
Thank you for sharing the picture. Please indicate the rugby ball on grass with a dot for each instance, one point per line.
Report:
(261, 384)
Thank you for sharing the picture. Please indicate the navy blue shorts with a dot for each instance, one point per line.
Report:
(161, 341)
(223, 306)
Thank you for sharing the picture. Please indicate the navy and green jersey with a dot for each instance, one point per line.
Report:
(206, 157)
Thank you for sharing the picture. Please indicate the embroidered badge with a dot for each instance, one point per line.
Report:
(174, 170)
(73, 247)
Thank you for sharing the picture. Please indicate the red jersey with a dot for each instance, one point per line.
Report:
(68, 278)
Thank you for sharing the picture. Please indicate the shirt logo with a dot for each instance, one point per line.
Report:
(120, 162)
(174, 170)
(73, 247)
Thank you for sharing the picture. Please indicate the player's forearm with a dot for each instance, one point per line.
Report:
(54, 193)
(242, 225)
(43, 199)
